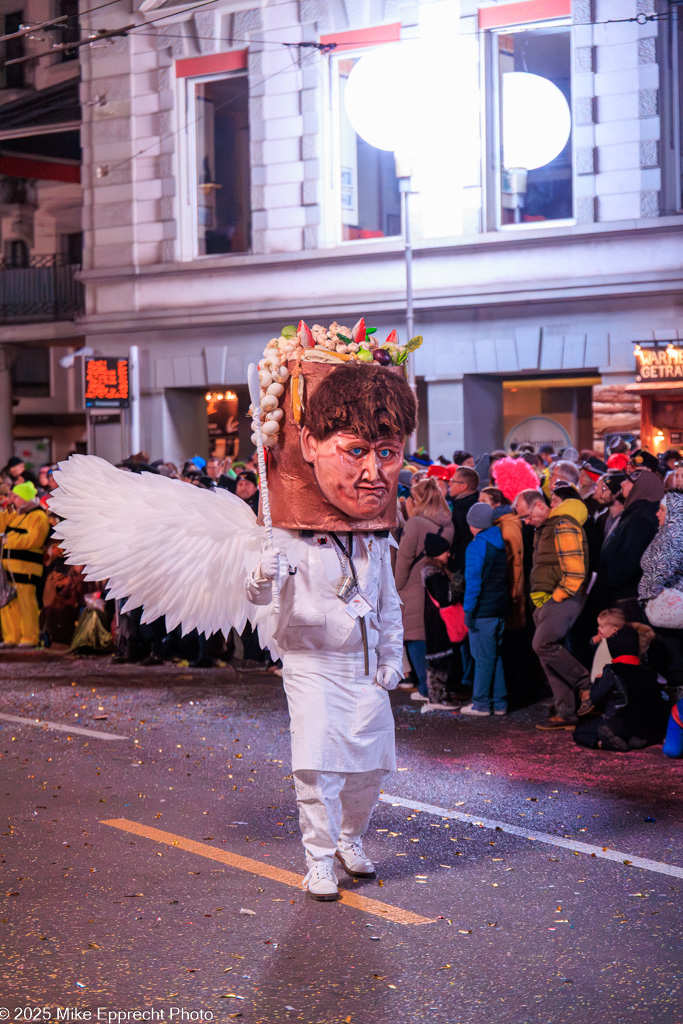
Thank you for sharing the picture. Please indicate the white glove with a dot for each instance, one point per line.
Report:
(387, 678)
(270, 564)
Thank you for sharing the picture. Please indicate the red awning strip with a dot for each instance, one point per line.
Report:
(42, 170)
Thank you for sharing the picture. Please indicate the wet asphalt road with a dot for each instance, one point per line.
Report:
(517, 931)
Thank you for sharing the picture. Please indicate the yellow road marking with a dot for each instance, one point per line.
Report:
(257, 867)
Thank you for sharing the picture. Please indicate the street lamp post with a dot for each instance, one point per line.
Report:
(378, 104)
(404, 185)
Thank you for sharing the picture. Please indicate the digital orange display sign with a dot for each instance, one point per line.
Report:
(106, 384)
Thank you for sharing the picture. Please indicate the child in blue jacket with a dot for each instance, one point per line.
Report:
(487, 600)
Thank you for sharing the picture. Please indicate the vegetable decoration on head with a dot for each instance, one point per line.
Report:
(303, 344)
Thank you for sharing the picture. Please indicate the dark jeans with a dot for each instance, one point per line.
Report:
(417, 656)
(564, 673)
(486, 638)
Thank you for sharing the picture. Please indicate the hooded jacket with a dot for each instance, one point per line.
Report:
(619, 569)
(560, 554)
(662, 562)
(486, 576)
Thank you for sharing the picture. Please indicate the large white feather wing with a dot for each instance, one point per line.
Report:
(174, 549)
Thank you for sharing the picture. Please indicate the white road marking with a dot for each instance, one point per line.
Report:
(43, 724)
(540, 837)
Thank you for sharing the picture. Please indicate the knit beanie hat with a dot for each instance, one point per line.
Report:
(480, 516)
(613, 481)
(435, 545)
(624, 641)
(26, 491)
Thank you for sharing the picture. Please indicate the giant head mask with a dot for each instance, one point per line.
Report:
(335, 446)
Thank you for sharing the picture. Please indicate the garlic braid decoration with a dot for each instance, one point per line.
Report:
(273, 375)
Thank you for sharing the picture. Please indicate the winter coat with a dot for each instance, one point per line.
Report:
(560, 553)
(662, 562)
(631, 701)
(511, 528)
(409, 569)
(619, 569)
(462, 535)
(486, 579)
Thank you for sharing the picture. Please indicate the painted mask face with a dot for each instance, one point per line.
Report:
(358, 475)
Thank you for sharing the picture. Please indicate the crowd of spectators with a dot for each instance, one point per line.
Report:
(568, 570)
(538, 574)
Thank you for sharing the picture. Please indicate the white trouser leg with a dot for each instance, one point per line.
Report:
(320, 812)
(358, 798)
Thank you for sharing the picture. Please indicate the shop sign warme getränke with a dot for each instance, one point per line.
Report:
(656, 363)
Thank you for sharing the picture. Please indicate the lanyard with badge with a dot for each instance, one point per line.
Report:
(347, 591)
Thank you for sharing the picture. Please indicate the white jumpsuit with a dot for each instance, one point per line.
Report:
(342, 727)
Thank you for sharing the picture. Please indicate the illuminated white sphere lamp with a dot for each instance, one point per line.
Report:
(381, 97)
(536, 120)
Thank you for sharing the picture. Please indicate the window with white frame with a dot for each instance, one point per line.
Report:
(530, 126)
(217, 200)
(369, 199)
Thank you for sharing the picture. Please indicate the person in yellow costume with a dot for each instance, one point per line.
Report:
(24, 527)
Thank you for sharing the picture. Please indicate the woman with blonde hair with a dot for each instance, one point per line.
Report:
(428, 513)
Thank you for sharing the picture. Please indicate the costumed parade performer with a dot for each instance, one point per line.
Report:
(332, 408)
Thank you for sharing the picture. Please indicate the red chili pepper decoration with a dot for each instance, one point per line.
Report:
(303, 333)
(358, 332)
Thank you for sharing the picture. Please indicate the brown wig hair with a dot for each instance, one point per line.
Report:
(369, 401)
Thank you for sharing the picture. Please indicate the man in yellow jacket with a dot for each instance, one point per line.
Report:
(24, 528)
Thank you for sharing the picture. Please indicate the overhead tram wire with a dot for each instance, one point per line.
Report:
(640, 19)
(125, 30)
(56, 22)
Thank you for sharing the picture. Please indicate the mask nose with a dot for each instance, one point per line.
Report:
(371, 466)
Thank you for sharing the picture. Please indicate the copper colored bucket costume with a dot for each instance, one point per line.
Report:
(296, 500)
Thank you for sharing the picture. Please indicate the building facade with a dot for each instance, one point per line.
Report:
(226, 194)
(41, 203)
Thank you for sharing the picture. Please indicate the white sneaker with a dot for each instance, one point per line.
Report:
(468, 709)
(321, 883)
(500, 712)
(418, 696)
(405, 685)
(438, 707)
(354, 860)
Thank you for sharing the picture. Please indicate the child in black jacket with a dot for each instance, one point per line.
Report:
(443, 594)
(634, 708)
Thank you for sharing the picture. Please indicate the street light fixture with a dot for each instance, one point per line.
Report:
(536, 126)
(381, 103)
